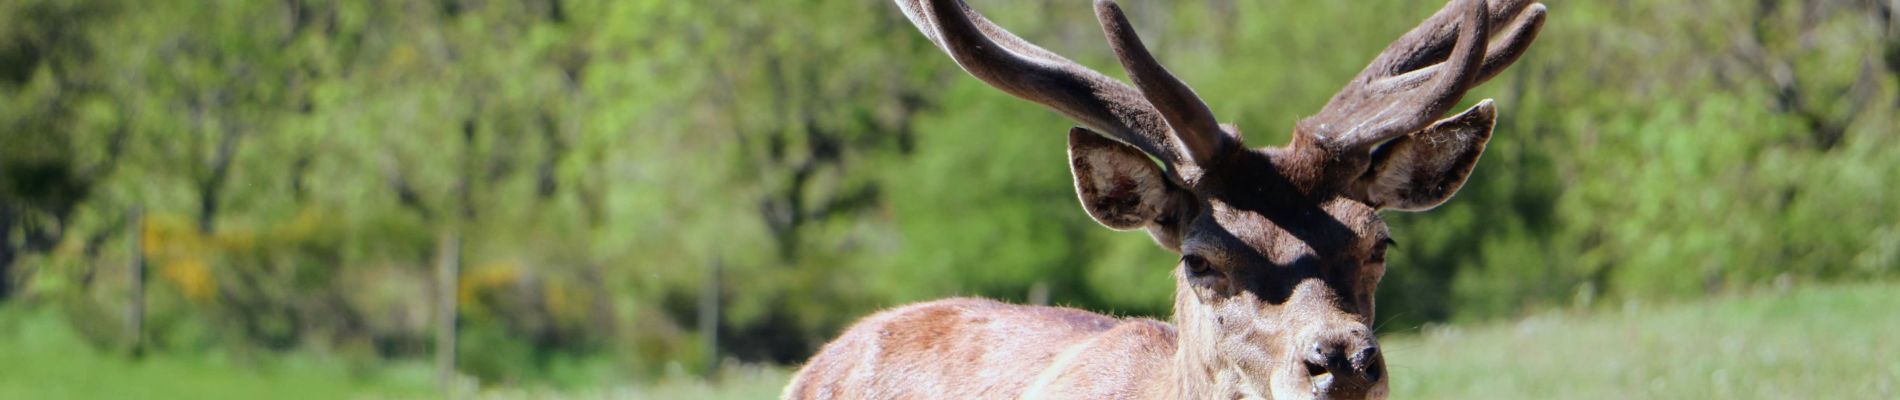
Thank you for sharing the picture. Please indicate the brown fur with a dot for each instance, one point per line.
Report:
(932, 350)
(1282, 247)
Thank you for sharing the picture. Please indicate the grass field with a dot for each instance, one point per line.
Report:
(1833, 343)
(41, 358)
(1819, 342)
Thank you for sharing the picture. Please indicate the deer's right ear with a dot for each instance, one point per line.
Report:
(1422, 170)
(1120, 186)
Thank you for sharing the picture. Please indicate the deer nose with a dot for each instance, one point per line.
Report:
(1350, 360)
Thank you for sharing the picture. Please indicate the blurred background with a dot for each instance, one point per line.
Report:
(671, 199)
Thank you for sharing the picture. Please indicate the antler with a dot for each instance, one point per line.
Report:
(1424, 73)
(1150, 122)
(1200, 134)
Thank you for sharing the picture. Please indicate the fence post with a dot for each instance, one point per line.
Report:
(447, 277)
(1039, 293)
(135, 276)
(709, 318)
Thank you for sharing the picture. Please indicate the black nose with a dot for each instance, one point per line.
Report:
(1367, 361)
(1351, 360)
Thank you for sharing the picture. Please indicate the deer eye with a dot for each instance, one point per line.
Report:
(1378, 251)
(1195, 265)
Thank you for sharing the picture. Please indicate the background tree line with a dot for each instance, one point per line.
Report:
(295, 161)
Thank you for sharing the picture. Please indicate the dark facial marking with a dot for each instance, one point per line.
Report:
(1270, 219)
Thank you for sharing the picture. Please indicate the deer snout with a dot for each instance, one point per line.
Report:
(1343, 362)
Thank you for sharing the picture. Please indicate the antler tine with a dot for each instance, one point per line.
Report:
(1193, 123)
(1007, 62)
(1417, 78)
(1523, 19)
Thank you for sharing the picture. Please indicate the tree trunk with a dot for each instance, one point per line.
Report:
(7, 221)
(212, 187)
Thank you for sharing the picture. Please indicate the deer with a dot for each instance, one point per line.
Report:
(1281, 248)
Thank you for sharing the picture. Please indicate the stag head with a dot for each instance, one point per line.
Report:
(1281, 247)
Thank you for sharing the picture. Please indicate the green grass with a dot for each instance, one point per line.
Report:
(743, 382)
(1821, 342)
(42, 358)
(1816, 343)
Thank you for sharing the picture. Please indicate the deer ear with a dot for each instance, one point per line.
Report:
(1120, 186)
(1419, 171)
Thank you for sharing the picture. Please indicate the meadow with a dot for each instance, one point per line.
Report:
(614, 198)
(1833, 342)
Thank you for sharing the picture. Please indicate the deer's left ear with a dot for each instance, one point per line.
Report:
(1422, 170)
(1119, 186)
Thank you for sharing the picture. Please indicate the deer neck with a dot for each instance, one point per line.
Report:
(1195, 370)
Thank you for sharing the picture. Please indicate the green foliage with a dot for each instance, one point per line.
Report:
(296, 162)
